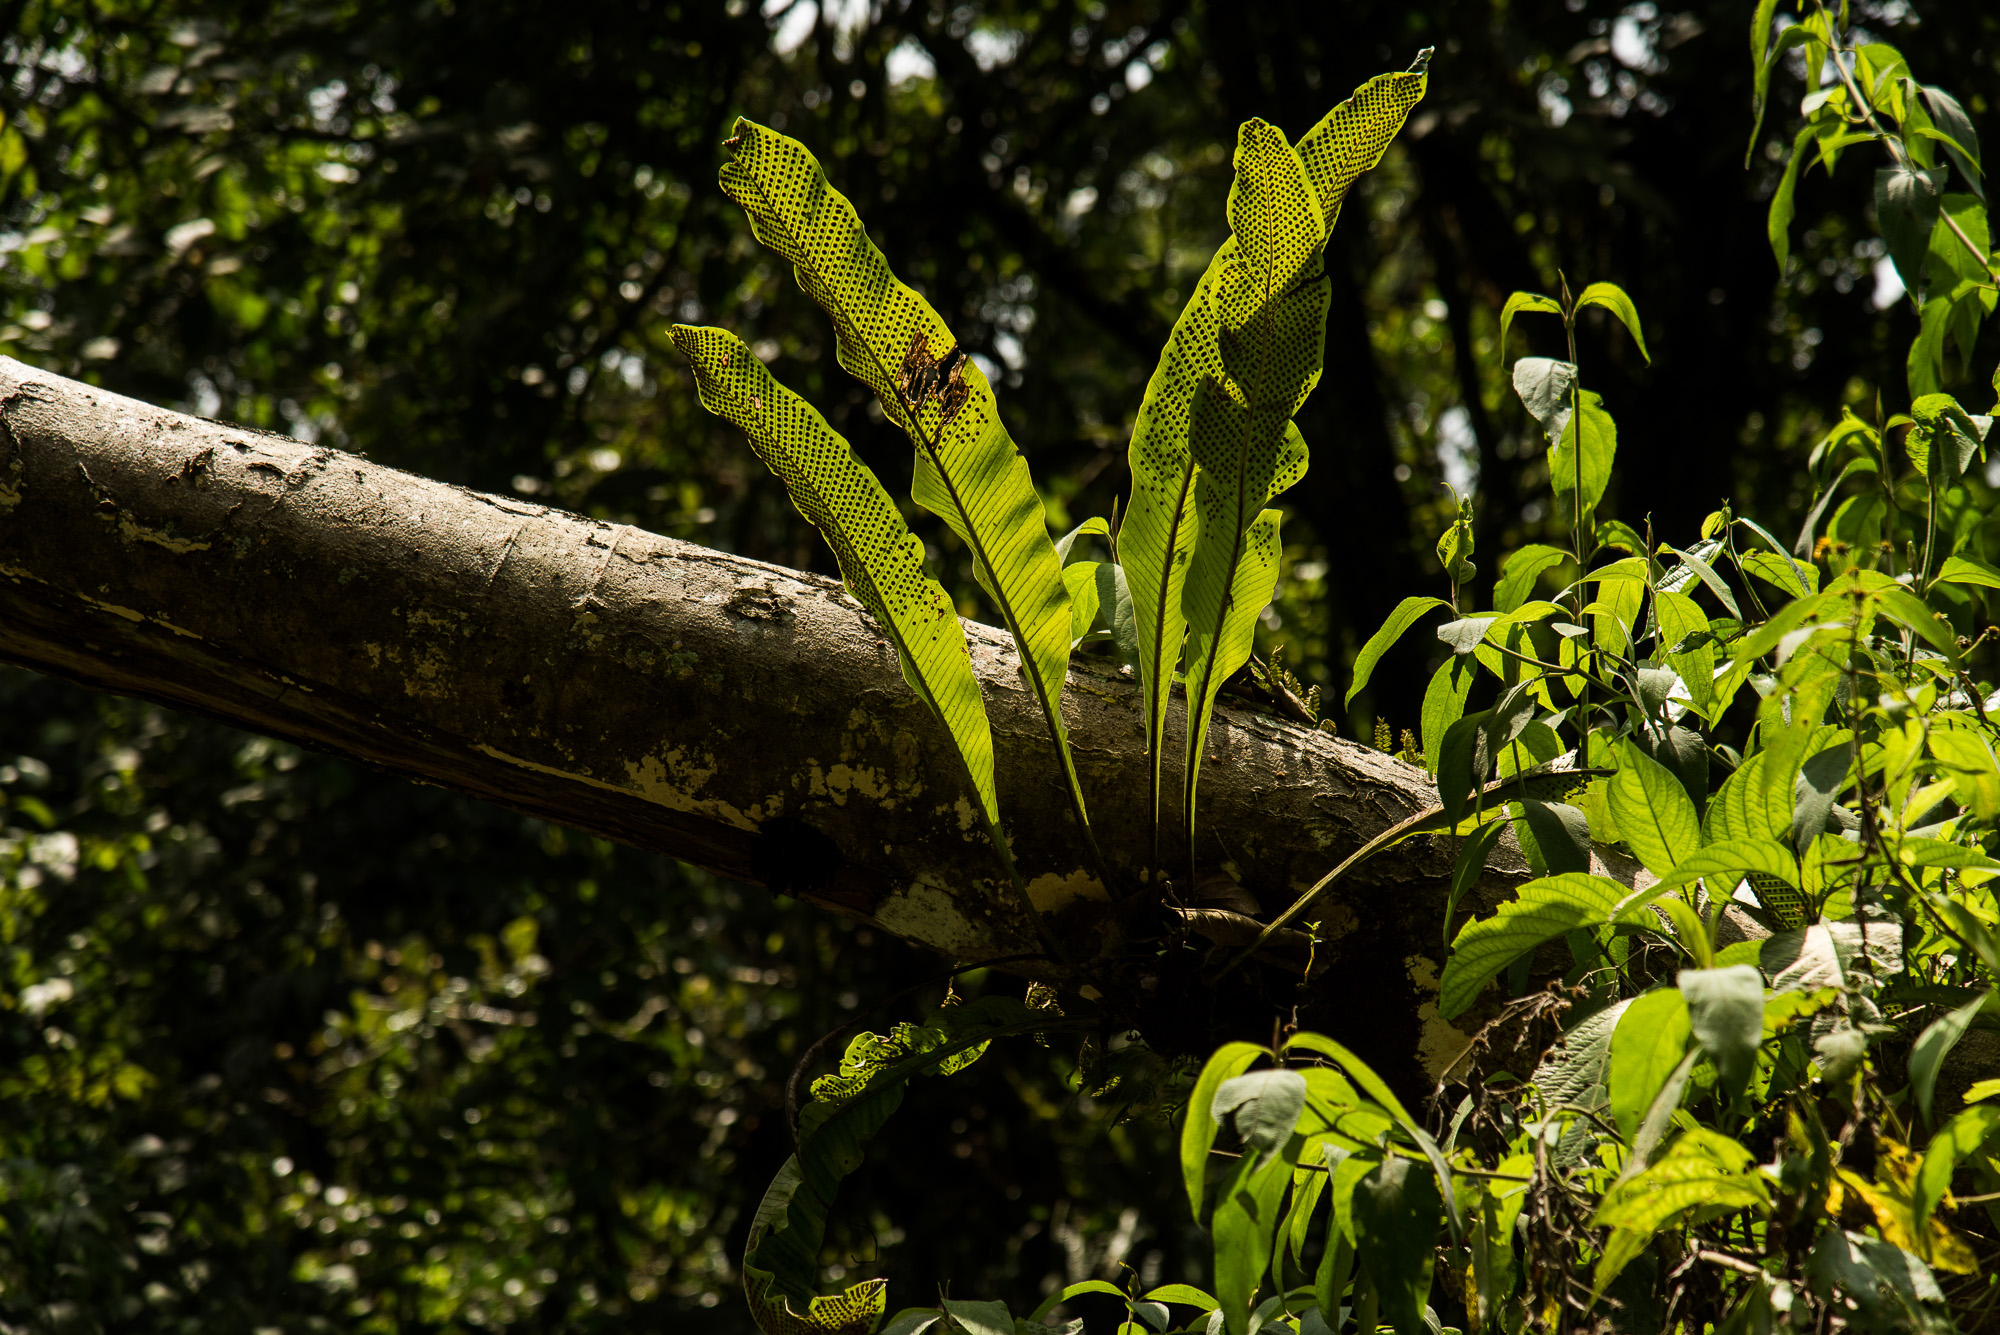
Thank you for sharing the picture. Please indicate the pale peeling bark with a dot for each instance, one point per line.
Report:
(743, 717)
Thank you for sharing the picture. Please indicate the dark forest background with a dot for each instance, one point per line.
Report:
(288, 1046)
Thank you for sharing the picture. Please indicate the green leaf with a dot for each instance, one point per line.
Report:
(1700, 1169)
(1965, 570)
(881, 561)
(1378, 1089)
(1187, 1295)
(1517, 581)
(1469, 865)
(1554, 837)
(1307, 1188)
(1158, 532)
(1546, 389)
(1352, 137)
(1444, 705)
(1612, 298)
(1779, 227)
(1762, 61)
(1688, 645)
(1689, 929)
(1114, 601)
(1245, 1227)
(1063, 1295)
(1710, 579)
(1271, 335)
(1935, 1043)
(1406, 615)
(1726, 1013)
(1906, 208)
(1396, 1209)
(1728, 861)
(1962, 1137)
(1264, 1107)
(968, 470)
(1519, 302)
(1651, 1038)
(1080, 580)
(1596, 456)
(1961, 140)
(1198, 1129)
(1543, 910)
(781, 1257)
(1090, 527)
(1654, 813)
(981, 1318)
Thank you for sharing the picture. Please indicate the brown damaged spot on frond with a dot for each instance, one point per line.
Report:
(923, 379)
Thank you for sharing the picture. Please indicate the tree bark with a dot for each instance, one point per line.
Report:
(740, 716)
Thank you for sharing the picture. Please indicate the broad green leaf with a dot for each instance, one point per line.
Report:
(1687, 644)
(1307, 1187)
(1524, 301)
(968, 470)
(1755, 802)
(1081, 582)
(1962, 1137)
(1198, 1129)
(1700, 1169)
(1954, 127)
(1728, 861)
(1906, 208)
(1081, 1287)
(781, 1256)
(1689, 929)
(881, 561)
(1698, 561)
(914, 1321)
(1595, 457)
(1884, 1287)
(1726, 1013)
(1966, 570)
(1185, 1294)
(1160, 521)
(1245, 1227)
(1905, 608)
(1352, 137)
(1779, 226)
(1222, 625)
(1612, 298)
(1469, 865)
(1651, 1038)
(1572, 1075)
(1406, 615)
(1264, 1107)
(1547, 390)
(1967, 757)
(1378, 1089)
(1114, 601)
(1396, 1209)
(1935, 1043)
(1272, 332)
(1517, 581)
(1093, 527)
(981, 1318)
(1444, 705)
(1763, 60)
(1543, 910)
(1160, 525)
(1554, 837)
(1654, 813)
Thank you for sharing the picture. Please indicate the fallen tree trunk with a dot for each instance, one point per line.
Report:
(740, 716)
